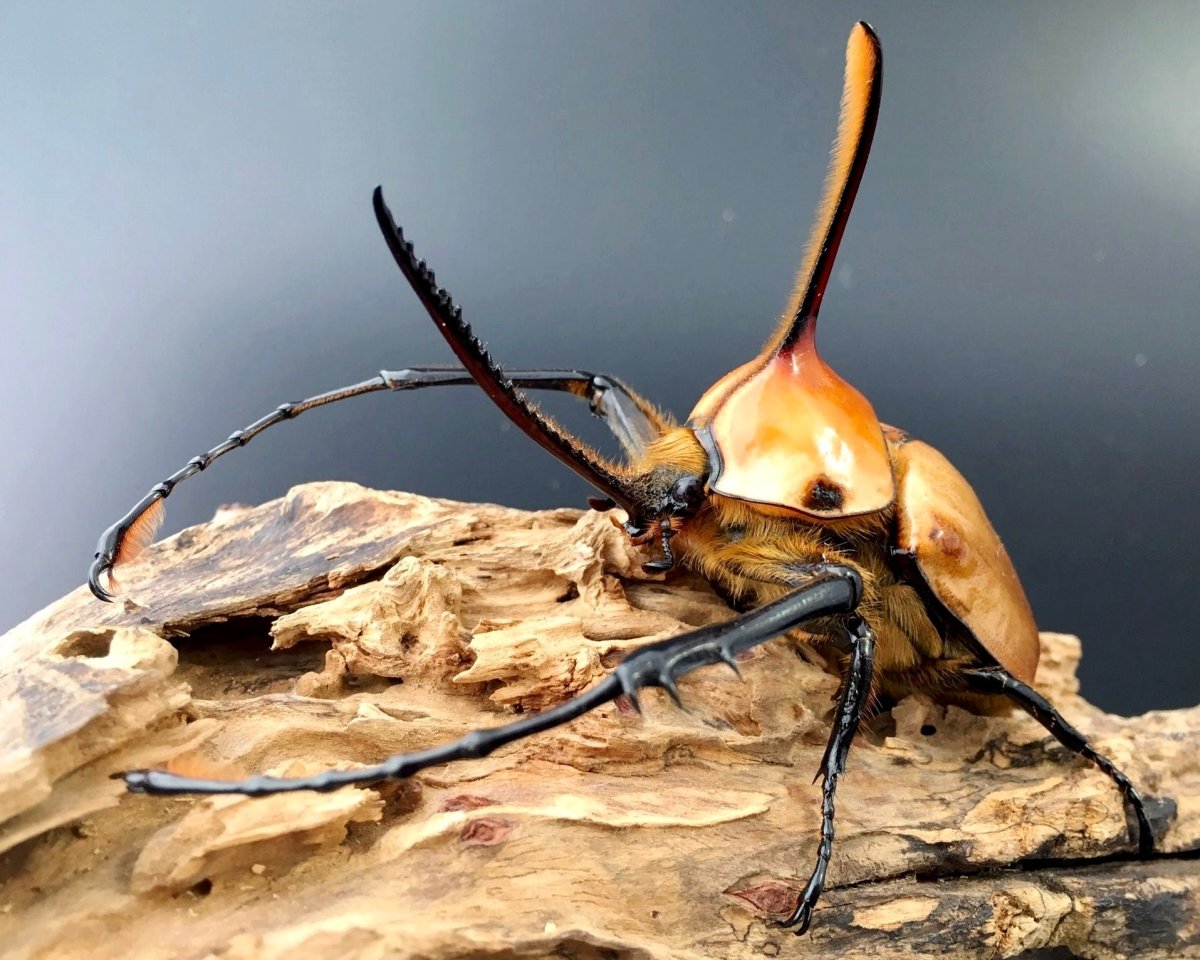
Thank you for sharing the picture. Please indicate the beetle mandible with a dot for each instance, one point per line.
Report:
(782, 488)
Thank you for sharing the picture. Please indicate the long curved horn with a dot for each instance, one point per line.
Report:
(856, 128)
(605, 476)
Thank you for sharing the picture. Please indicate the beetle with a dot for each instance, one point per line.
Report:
(782, 488)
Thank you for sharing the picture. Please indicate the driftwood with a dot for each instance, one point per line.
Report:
(277, 638)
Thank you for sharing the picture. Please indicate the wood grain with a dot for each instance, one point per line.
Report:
(340, 624)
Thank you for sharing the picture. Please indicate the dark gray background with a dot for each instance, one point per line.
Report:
(186, 241)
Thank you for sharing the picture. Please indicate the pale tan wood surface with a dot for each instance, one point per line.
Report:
(339, 624)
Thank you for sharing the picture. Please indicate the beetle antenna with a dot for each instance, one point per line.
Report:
(861, 92)
(602, 474)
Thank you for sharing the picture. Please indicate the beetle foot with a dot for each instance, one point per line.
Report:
(100, 571)
(801, 917)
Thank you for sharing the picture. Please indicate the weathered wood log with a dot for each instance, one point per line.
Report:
(277, 638)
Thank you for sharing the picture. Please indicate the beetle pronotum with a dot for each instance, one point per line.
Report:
(782, 488)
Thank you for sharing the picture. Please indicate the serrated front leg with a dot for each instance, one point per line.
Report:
(832, 589)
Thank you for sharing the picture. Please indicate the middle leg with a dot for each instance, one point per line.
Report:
(854, 694)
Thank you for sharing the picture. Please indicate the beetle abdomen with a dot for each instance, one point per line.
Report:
(941, 524)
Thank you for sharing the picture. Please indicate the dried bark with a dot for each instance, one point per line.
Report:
(275, 639)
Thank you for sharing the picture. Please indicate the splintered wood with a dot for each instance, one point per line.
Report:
(339, 625)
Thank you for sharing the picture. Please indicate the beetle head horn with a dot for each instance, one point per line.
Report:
(607, 477)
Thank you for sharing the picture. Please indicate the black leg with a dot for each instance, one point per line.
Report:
(999, 680)
(855, 690)
(830, 590)
(632, 419)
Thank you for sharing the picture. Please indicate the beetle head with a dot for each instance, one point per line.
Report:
(666, 495)
(671, 496)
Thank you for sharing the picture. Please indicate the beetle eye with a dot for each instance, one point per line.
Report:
(688, 493)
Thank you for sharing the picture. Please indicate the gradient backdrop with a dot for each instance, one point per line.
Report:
(186, 241)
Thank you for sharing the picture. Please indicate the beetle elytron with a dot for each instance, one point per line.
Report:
(782, 488)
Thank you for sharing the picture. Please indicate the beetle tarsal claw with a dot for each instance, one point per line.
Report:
(101, 570)
(801, 918)
(136, 781)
